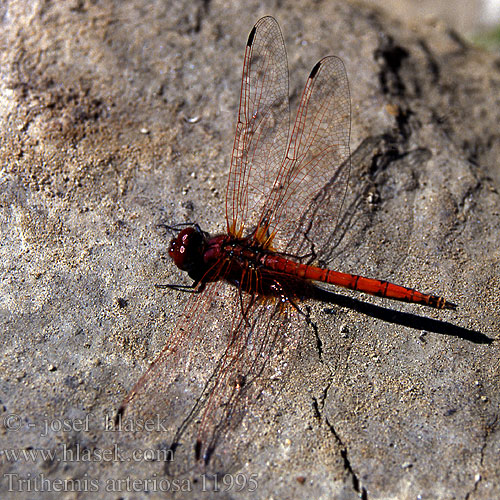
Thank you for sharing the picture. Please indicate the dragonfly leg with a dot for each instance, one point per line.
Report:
(195, 287)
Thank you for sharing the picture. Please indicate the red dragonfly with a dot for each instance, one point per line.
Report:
(275, 176)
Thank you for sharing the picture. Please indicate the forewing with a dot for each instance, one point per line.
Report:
(317, 154)
(262, 128)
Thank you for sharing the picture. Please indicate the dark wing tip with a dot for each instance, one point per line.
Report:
(315, 70)
(251, 36)
(197, 449)
(119, 416)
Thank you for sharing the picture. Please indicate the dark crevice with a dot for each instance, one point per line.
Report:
(390, 57)
(388, 153)
(356, 483)
(403, 121)
(201, 14)
(319, 342)
(315, 406)
(432, 64)
(391, 148)
(355, 480)
(477, 478)
(462, 45)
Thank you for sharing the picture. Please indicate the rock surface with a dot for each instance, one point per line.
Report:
(117, 117)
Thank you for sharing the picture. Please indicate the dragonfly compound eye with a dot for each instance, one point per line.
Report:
(185, 249)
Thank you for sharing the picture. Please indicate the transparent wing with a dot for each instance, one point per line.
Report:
(317, 155)
(254, 357)
(271, 184)
(201, 386)
(262, 128)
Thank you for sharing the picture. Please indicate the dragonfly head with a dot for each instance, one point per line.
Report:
(186, 249)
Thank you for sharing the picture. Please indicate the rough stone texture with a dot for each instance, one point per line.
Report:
(117, 117)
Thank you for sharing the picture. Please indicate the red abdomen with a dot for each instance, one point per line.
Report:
(359, 283)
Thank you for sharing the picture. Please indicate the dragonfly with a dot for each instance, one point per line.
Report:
(248, 282)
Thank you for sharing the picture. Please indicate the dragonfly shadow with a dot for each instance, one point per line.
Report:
(401, 318)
